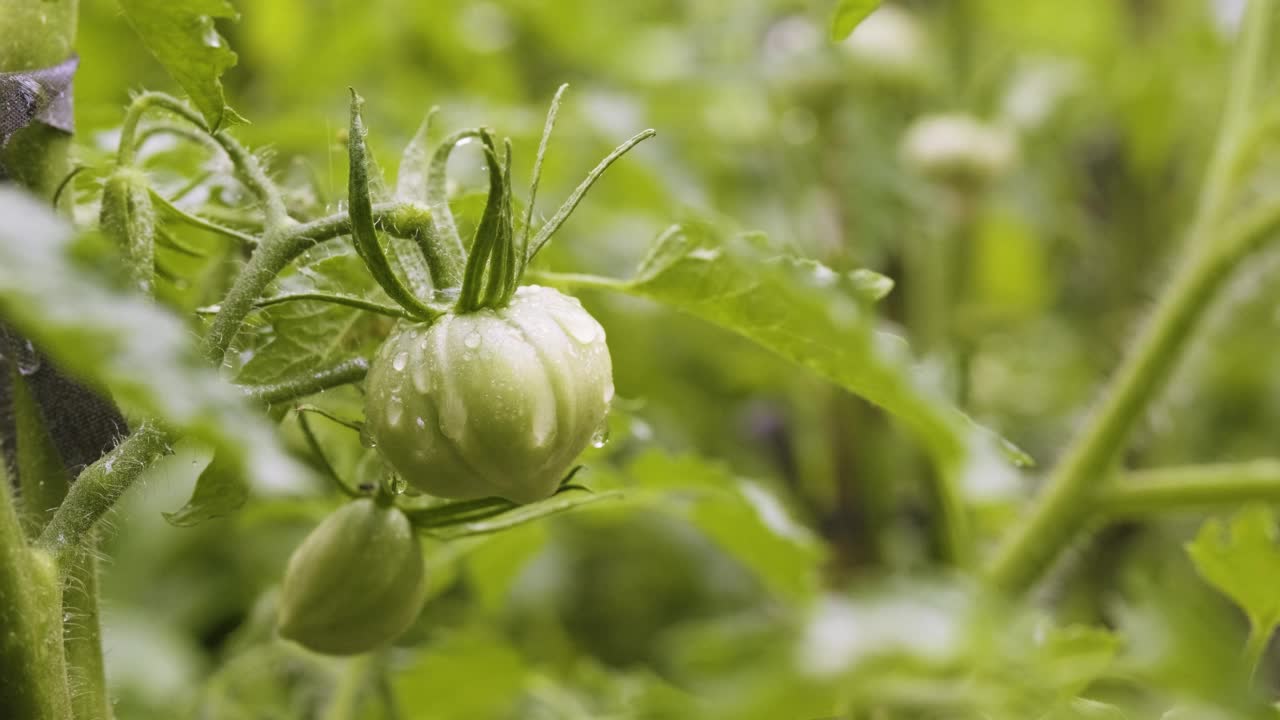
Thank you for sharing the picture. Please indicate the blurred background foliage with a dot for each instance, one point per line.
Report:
(775, 558)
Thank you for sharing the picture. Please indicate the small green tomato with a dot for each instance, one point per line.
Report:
(491, 402)
(356, 583)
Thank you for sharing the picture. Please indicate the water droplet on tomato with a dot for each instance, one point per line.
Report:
(472, 340)
(600, 437)
(401, 359)
(395, 410)
(580, 326)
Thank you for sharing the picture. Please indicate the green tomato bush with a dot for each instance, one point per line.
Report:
(368, 407)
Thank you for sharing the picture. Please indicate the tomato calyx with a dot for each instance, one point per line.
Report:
(488, 275)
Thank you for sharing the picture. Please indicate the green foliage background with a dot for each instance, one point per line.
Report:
(777, 553)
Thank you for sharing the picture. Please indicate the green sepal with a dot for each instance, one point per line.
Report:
(487, 251)
(363, 232)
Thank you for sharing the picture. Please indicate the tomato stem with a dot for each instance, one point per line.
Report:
(273, 255)
(1070, 496)
(1189, 488)
(290, 389)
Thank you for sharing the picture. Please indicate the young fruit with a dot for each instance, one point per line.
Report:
(491, 402)
(355, 583)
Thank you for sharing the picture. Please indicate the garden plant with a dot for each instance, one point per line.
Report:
(900, 360)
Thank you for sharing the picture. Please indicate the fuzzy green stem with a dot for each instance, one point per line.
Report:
(82, 634)
(97, 490)
(247, 166)
(1068, 498)
(344, 373)
(271, 257)
(32, 663)
(1189, 488)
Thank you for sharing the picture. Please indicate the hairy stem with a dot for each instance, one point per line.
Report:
(344, 373)
(247, 166)
(82, 635)
(97, 490)
(32, 663)
(273, 256)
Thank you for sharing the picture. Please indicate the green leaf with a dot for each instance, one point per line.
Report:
(848, 15)
(182, 36)
(290, 339)
(1242, 560)
(801, 310)
(120, 341)
(820, 319)
(219, 490)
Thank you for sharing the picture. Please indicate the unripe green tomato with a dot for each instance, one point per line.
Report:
(492, 402)
(355, 583)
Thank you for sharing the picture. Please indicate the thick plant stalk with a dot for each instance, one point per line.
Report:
(33, 678)
(35, 646)
(82, 635)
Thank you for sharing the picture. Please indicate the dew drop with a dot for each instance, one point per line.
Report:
(396, 484)
(366, 439)
(600, 437)
(395, 410)
(421, 423)
(401, 359)
(607, 395)
(211, 38)
(472, 340)
(28, 359)
(580, 326)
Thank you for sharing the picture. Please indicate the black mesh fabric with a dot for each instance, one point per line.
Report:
(83, 424)
(41, 95)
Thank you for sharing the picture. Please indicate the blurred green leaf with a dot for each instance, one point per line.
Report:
(742, 518)
(182, 36)
(470, 673)
(848, 15)
(219, 491)
(1242, 560)
(807, 313)
(122, 342)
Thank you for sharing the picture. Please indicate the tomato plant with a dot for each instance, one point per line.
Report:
(913, 365)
